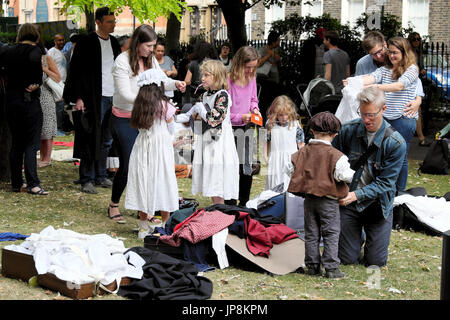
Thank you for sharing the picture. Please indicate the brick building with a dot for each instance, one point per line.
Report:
(428, 17)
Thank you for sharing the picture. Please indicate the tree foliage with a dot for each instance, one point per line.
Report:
(143, 10)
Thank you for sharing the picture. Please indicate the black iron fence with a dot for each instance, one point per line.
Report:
(436, 59)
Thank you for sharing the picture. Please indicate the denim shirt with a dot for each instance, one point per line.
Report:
(384, 165)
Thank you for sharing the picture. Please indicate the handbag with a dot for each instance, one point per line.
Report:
(56, 87)
(437, 158)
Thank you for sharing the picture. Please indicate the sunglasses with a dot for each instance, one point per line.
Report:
(416, 39)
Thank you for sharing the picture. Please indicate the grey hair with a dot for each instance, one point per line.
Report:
(372, 95)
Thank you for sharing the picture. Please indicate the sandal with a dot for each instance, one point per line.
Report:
(424, 143)
(118, 217)
(40, 192)
(43, 164)
(154, 221)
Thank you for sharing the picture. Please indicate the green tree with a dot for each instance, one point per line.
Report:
(143, 10)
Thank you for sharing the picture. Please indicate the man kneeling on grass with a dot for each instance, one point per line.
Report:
(375, 151)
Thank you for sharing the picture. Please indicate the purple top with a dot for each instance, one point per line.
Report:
(244, 100)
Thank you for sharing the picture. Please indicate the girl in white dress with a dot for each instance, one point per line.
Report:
(152, 184)
(215, 168)
(284, 137)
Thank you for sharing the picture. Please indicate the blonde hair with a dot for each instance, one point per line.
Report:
(219, 72)
(281, 104)
(408, 59)
(242, 56)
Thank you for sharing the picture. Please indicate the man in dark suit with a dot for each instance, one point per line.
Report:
(90, 88)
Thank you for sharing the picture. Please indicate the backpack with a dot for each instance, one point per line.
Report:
(437, 158)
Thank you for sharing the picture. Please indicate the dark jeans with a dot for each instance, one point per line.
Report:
(59, 114)
(377, 230)
(95, 170)
(124, 137)
(245, 184)
(25, 121)
(321, 219)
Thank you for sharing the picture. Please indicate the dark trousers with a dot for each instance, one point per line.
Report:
(377, 230)
(321, 219)
(25, 121)
(59, 106)
(245, 184)
(95, 170)
(124, 137)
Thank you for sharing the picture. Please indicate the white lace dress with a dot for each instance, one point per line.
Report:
(152, 184)
(283, 143)
(215, 168)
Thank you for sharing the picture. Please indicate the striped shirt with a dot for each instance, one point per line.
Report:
(397, 101)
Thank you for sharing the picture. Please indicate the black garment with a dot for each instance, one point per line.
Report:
(84, 81)
(254, 214)
(166, 278)
(22, 67)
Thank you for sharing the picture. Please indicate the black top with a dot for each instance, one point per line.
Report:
(22, 63)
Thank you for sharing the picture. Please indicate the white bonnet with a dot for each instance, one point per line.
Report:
(150, 76)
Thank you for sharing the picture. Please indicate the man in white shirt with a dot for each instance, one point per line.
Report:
(61, 63)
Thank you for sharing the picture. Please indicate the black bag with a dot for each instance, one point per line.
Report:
(436, 159)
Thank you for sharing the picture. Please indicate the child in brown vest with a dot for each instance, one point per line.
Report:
(320, 173)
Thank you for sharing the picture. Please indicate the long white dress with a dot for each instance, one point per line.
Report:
(283, 144)
(152, 184)
(215, 167)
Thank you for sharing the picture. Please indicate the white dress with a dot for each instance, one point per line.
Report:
(152, 184)
(283, 144)
(215, 168)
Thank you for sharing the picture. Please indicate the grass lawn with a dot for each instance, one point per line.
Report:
(413, 270)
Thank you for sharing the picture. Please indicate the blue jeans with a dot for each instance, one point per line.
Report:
(124, 137)
(406, 127)
(95, 170)
(377, 230)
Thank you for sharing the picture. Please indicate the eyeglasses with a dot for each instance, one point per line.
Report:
(368, 115)
(416, 39)
(394, 53)
(377, 53)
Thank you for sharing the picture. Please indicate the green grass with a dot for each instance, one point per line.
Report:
(413, 270)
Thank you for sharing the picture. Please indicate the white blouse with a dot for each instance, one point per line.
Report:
(125, 83)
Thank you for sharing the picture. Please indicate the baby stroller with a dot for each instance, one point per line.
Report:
(318, 96)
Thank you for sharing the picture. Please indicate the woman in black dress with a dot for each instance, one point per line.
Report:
(23, 68)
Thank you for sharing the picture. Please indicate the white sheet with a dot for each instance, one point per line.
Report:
(434, 212)
(79, 258)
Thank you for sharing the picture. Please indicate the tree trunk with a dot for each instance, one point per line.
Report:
(90, 18)
(234, 14)
(172, 33)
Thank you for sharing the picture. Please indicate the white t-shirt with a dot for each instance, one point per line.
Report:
(60, 61)
(107, 66)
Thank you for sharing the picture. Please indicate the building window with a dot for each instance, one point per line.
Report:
(351, 10)
(274, 13)
(313, 8)
(416, 12)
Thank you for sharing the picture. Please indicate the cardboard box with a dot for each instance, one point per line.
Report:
(21, 266)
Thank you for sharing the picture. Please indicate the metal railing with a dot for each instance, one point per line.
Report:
(436, 59)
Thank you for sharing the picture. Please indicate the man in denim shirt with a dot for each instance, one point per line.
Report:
(369, 203)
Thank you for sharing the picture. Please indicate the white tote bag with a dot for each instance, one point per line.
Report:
(56, 87)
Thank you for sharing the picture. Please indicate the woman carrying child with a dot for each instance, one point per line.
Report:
(152, 184)
(284, 137)
(215, 170)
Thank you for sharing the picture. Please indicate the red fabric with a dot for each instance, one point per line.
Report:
(62, 143)
(260, 238)
(199, 226)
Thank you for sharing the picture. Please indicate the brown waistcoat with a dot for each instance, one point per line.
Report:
(314, 171)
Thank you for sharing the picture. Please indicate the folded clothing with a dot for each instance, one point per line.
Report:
(10, 236)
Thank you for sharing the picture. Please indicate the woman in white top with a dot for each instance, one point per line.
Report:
(127, 67)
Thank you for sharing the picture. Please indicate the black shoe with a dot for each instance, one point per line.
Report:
(89, 188)
(106, 183)
(335, 274)
(314, 270)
